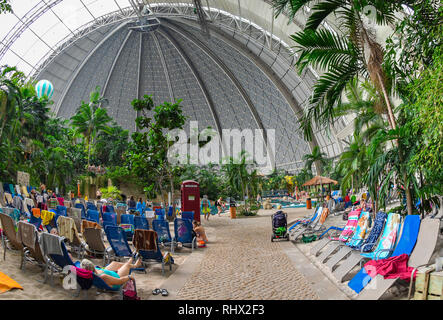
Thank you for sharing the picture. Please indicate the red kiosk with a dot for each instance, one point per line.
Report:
(190, 198)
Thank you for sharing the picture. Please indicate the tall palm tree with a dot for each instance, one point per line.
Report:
(353, 54)
(318, 157)
(91, 119)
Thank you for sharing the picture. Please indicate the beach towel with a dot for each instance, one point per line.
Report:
(89, 224)
(6, 283)
(388, 238)
(8, 198)
(27, 234)
(145, 240)
(17, 203)
(51, 244)
(324, 215)
(84, 277)
(390, 268)
(374, 234)
(405, 245)
(66, 228)
(61, 201)
(36, 212)
(350, 226)
(47, 217)
(360, 232)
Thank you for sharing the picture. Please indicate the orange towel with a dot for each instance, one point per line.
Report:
(36, 212)
(324, 215)
(7, 283)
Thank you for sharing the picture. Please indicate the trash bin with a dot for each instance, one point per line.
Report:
(308, 203)
(232, 209)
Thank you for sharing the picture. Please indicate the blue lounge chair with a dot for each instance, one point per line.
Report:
(155, 256)
(188, 215)
(163, 234)
(82, 208)
(110, 218)
(183, 233)
(109, 208)
(93, 215)
(306, 221)
(367, 246)
(91, 206)
(128, 219)
(141, 223)
(119, 245)
(405, 245)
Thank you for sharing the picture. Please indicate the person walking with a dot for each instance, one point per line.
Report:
(206, 207)
(219, 205)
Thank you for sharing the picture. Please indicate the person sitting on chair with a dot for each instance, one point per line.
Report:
(114, 274)
(199, 231)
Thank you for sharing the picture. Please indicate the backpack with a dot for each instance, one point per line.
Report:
(130, 291)
(279, 220)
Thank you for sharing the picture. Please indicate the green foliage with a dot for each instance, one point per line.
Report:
(5, 6)
(111, 192)
(147, 155)
(318, 157)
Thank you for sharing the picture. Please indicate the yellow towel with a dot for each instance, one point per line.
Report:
(47, 217)
(7, 283)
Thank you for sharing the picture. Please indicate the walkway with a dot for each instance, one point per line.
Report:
(241, 262)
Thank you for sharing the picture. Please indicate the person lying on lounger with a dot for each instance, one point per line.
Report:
(115, 274)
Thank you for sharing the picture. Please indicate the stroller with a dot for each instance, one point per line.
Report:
(280, 226)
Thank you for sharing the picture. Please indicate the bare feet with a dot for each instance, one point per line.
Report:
(138, 263)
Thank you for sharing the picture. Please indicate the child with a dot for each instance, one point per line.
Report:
(199, 231)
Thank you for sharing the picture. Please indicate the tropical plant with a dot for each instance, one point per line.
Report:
(147, 155)
(91, 119)
(317, 157)
(353, 54)
(111, 192)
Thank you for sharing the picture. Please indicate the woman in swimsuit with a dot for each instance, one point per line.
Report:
(114, 274)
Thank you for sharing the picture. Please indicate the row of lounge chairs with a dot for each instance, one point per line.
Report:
(23, 235)
(390, 236)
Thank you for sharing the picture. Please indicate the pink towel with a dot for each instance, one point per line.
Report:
(390, 268)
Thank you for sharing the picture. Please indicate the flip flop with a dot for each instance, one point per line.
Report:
(164, 292)
(156, 291)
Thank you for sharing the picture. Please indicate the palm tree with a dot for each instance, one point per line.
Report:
(91, 119)
(354, 54)
(317, 157)
(353, 162)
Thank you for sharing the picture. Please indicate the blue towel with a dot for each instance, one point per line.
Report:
(405, 245)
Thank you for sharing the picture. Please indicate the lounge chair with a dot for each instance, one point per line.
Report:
(119, 245)
(28, 236)
(93, 215)
(188, 215)
(308, 220)
(91, 206)
(82, 208)
(315, 228)
(56, 262)
(95, 244)
(9, 235)
(76, 215)
(420, 256)
(110, 208)
(354, 258)
(385, 248)
(163, 233)
(141, 223)
(334, 240)
(67, 226)
(183, 234)
(36, 219)
(360, 234)
(12, 190)
(128, 219)
(150, 252)
(110, 218)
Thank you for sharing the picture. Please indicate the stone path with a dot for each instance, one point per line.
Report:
(243, 263)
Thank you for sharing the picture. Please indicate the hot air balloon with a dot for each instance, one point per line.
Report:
(44, 88)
